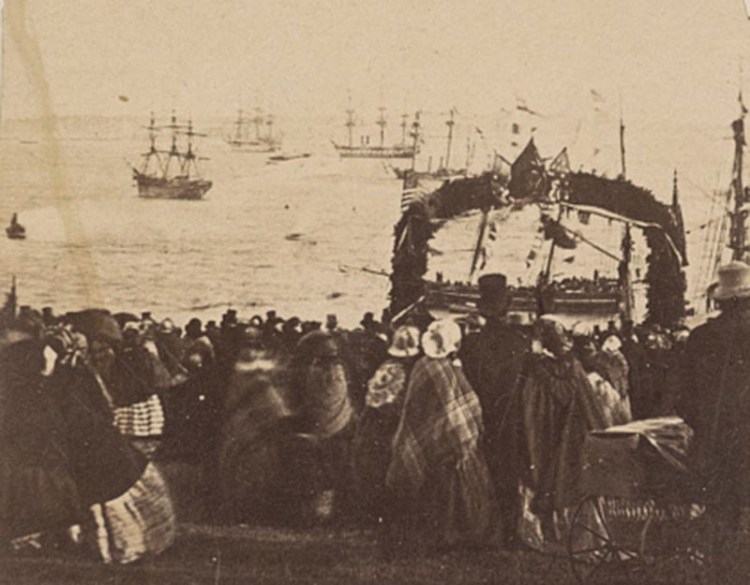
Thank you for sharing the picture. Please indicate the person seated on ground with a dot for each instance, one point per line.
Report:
(371, 449)
(439, 494)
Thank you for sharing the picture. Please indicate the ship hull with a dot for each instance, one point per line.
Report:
(254, 147)
(177, 188)
(15, 233)
(374, 151)
(596, 306)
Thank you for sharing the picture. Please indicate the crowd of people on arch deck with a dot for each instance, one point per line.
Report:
(437, 434)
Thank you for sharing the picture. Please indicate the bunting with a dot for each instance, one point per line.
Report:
(560, 165)
(553, 230)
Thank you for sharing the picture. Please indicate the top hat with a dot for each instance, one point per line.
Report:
(493, 295)
(734, 282)
(367, 319)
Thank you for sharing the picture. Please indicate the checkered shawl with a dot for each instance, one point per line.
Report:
(142, 419)
(441, 424)
(141, 521)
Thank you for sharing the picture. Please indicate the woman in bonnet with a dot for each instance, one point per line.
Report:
(439, 494)
(384, 400)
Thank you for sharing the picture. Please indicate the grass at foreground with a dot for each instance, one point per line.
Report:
(252, 555)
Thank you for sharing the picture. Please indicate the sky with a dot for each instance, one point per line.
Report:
(673, 67)
(300, 57)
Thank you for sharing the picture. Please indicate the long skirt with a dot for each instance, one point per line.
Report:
(139, 522)
(371, 455)
(35, 499)
(456, 509)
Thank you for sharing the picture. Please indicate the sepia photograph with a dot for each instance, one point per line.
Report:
(374, 292)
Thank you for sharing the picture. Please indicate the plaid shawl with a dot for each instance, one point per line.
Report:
(441, 424)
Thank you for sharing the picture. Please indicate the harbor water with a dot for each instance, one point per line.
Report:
(305, 237)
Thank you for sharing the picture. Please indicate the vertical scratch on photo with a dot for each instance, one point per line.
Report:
(18, 33)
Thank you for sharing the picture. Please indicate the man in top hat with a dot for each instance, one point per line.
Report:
(715, 402)
(493, 359)
(368, 322)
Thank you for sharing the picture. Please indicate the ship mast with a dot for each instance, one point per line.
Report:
(382, 123)
(738, 237)
(258, 121)
(403, 128)
(173, 151)
(624, 173)
(153, 152)
(238, 126)
(350, 126)
(626, 244)
(415, 130)
(450, 123)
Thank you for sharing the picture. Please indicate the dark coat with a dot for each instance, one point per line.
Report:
(37, 491)
(103, 464)
(715, 402)
(492, 361)
(251, 455)
(134, 377)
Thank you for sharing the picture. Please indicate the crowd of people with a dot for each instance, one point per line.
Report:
(438, 434)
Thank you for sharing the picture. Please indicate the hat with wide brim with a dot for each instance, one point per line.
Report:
(734, 282)
(405, 342)
(96, 324)
(442, 338)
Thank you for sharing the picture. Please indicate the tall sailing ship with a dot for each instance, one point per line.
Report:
(725, 236)
(444, 171)
(173, 173)
(366, 150)
(254, 133)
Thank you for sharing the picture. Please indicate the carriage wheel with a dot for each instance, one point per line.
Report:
(592, 548)
(681, 549)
